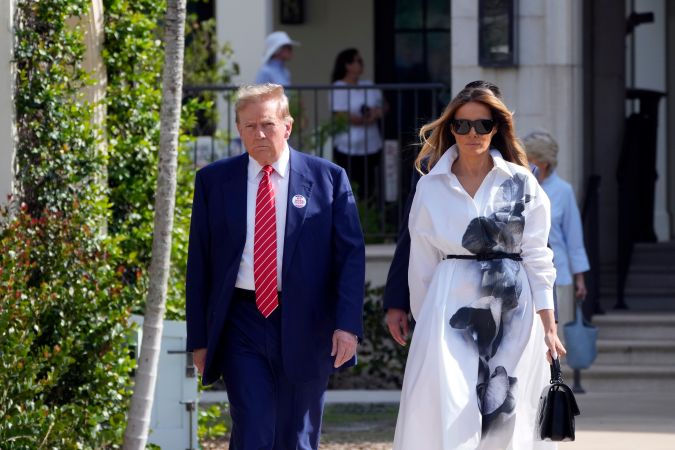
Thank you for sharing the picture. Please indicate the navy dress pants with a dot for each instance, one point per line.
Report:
(268, 410)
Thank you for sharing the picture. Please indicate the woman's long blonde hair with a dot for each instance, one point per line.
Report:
(436, 136)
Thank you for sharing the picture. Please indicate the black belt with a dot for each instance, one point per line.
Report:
(488, 256)
(245, 295)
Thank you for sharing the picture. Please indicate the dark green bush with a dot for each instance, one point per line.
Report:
(63, 331)
(381, 361)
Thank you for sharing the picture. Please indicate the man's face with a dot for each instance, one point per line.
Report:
(263, 131)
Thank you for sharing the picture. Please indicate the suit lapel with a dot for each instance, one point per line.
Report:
(234, 199)
(298, 184)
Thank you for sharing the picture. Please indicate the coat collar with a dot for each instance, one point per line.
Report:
(444, 164)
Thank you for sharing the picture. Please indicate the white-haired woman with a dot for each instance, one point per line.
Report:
(566, 237)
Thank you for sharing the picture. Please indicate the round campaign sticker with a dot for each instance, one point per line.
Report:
(299, 201)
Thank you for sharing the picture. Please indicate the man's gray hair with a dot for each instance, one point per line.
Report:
(541, 146)
(253, 93)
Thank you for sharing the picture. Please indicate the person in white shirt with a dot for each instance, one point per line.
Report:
(359, 148)
(480, 272)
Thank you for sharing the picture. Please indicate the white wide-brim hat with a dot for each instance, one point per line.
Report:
(275, 41)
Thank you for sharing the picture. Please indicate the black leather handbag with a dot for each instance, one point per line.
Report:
(557, 409)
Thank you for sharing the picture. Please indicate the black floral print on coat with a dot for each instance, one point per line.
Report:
(483, 319)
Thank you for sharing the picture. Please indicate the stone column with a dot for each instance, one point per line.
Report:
(7, 128)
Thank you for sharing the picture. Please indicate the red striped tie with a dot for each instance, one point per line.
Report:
(265, 246)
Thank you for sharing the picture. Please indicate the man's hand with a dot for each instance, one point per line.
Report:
(397, 322)
(344, 347)
(199, 359)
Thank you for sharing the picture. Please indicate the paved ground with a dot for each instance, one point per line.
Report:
(627, 421)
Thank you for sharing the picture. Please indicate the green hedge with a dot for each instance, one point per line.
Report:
(63, 334)
(381, 361)
(63, 304)
(75, 240)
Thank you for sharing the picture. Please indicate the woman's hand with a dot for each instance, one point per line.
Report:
(555, 347)
(580, 286)
(398, 324)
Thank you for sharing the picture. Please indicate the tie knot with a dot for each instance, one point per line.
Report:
(268, 169)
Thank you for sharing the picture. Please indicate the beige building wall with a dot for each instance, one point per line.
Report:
(544, 90)
(244, 24)
(330, 27)
(7, 134)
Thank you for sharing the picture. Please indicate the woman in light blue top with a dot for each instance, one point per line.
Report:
(566, 237)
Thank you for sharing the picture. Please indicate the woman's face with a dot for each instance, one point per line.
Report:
(544, 168)
(473, 143)
(356, 66)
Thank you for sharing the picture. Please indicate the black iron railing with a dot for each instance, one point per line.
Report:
(381, 180)
(591, 223)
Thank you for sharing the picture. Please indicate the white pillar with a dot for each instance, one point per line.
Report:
(7, 129)
(244, 24)
(545, 88)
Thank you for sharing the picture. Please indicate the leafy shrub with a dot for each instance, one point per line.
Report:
(381, 361)
(63, 328)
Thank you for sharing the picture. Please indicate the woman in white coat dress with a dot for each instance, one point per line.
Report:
(479, 273)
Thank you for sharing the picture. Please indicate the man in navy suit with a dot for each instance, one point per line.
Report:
(275, 278)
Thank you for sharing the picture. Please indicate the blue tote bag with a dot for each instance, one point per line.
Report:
(580, 341)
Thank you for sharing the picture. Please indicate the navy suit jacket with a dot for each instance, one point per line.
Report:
(323, 268)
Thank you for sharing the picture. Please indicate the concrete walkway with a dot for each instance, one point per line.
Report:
(616, 421)
(625, 421)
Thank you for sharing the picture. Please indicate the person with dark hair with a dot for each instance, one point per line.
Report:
(358, 149)
(482, 84)
(479, 273)
(396, 300)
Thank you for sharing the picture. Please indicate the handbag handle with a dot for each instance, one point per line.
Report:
(579, 313)
(556, 372)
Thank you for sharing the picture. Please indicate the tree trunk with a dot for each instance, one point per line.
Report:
(138, 424)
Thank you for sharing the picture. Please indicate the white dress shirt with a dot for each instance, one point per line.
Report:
(279, 179)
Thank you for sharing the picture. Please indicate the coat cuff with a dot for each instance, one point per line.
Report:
(543, 299)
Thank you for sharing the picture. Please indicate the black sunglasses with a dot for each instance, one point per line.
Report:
(482, 126)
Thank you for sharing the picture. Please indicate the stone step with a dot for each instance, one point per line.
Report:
(658, 250)
(659, 352)
(658, 267)
(650, 302)
(650, 282)
(635, 326)
(622, 378)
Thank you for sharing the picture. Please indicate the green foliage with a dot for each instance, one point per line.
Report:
(206, 60)
(63, 305)
(56, 156)
(75, 254)
(134, 58)
(381, 361)
(63, 328)
(212, 422)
